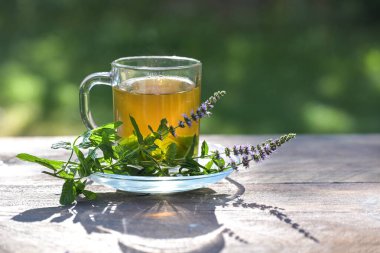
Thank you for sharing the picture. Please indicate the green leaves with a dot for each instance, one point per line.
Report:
(84, 169)
(51, 164)
(170, 154)
(72, 189)
(102, 139)
(89, 194)
(112, 125)
(103, 134)
(163, 128)
(138, 134)
(204, 149)
(69, 193)
(101, 149)
(190, 151)
(62, 144)
(219, 162)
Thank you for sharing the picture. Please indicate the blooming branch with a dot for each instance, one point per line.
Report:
(250, 153)
(202, 111)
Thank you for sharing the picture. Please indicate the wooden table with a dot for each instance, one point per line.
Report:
(317, 194)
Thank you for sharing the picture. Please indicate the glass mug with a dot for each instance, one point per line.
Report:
(150, 88)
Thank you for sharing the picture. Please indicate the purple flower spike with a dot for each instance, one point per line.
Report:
(172, 131)
(258, 153)
(187, 120)
(246, 150)
(273, 146)
(235, 150)
(245, 161)
(241, 151)
(181, 124)
(233, 163)
(267, 149)
(263, 155)
(194, 116)
(200, 114)
(203, 107)
(227, 152)
(217, 154)
(256, 158)
(203, 110)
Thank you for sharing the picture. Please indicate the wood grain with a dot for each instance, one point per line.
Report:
(317, 194)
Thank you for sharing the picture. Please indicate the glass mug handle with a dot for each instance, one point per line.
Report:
(100, 78)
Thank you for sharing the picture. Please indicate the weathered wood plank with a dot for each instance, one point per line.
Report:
(255, 217)
(287, 204)
(318, 158)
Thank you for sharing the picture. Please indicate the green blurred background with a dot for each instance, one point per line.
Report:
(302, 66)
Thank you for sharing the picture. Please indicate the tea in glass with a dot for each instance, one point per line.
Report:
(150, 99)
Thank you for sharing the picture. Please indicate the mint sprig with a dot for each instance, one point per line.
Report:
(103, 150)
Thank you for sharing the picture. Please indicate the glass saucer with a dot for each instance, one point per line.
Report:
(156, 185)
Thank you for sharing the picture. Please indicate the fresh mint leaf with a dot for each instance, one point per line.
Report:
(150, 139)
(183, 143)
(190, 151)
(112, 125)
(209, 164)
(95, 140)
(163, 128)
(79, 155)
(194, 163)
(204, 149)
(151, 158)
(149, 171)
(108, 151)
(154, 134)
(68, 194)
(151, 129)
(171, 152)
(138, 134)
(89, 194)
(84, 169)
(105, 133)
(191, 167)
(62, 144)
(51, 164)
(79, 186)
(219, 162)
(92, 153)
(86, 142)
(126, 154)
(129, 143)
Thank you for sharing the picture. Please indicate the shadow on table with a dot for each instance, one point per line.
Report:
(158, 222)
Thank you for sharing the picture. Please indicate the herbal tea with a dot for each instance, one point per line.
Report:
(150, 99)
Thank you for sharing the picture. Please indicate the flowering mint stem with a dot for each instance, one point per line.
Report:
(250, 153)
(260, 152)
(202, 111)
